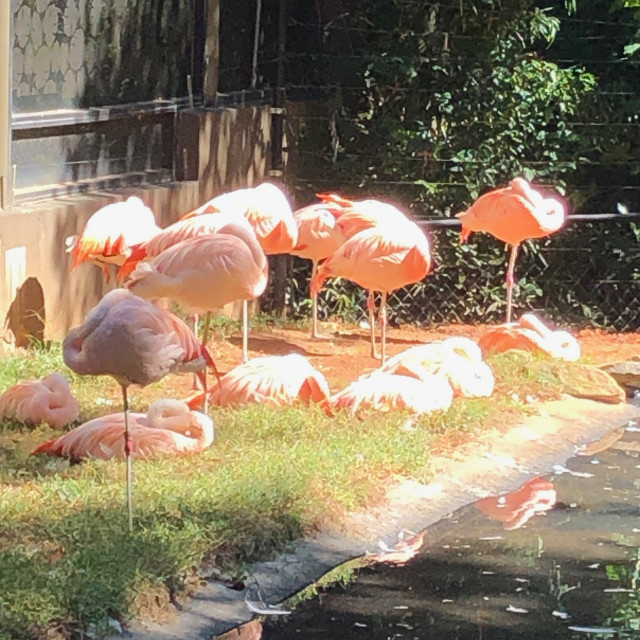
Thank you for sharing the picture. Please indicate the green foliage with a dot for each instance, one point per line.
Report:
(436, 103)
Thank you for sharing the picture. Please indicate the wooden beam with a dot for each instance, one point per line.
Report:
(212, 51)
(6, 45)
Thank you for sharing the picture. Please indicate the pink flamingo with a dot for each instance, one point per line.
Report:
(530, 334)
(168, 427)
(513, 214)
(354, 216)
(319, 236)
(267, 210)
(110, 233)
(206, 272)
(381, 258)
(135, 342)
(459, 359)
(273, 380)
(46, 400)
(187, 229)
(385, 391)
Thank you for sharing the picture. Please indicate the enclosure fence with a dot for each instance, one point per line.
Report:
(585, 275)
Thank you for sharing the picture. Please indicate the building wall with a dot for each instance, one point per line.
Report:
(91, 53)
(218, 150)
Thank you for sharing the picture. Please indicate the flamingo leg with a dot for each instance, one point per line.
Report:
(510, 279)
(383, 325)
(314, 304)
(245, 331)
(205, 339)
(127, 454)
(371, 307)
(196, 380)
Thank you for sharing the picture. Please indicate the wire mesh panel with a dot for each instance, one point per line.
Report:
(588, 274)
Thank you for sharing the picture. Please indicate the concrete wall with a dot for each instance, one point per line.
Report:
(216, 151)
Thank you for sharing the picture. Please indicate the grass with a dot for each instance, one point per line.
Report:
(67, 560)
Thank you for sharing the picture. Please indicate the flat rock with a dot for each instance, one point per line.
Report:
(593, 383)
(625, 373)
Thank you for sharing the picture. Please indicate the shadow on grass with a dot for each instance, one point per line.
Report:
(86, 567)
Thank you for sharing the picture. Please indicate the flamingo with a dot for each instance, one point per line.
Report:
(46, 400)
(168, 427)
(273, 380)
(513, 214)
(186, 229)
(110, 233)
(353, 216)
(381, 258)
(515, 509)
(459, 359)
(319, 236)
(384, 391)
(530, 334)
(135, 342)
(267, 210)
(206, 272)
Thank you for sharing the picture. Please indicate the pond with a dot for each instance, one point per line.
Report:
(558, 558)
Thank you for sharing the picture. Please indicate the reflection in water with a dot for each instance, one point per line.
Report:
(492, 571)
(404, 550)
(515, 509)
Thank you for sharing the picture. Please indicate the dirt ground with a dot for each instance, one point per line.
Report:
(345, 355)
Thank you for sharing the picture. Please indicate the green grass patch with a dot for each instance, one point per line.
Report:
(271, 476)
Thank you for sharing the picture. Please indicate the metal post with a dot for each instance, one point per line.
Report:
(6, 43)
(277, 112)
(256, 44)
(279, 263)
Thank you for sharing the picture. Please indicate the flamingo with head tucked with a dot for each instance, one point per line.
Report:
(319, 236)
(267, 210)
(513, 214)
(206, 272)
(382, 258)
(135, 342)
(354, 216)
(111, 232)
(46, 400)
(459, 359)
(277, 381)
(168, 427)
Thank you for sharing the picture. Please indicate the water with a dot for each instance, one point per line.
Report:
(557, 559)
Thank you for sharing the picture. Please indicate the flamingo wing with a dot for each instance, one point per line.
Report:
(382, 391)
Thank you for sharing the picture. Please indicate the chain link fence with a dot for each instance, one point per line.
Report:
(588, 274)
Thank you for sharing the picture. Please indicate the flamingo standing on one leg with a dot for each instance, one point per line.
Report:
(513, 214)
(382, 258)
(319, 236)
(110, 233)
(353, 216)
(169, 426)
(135, 342)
